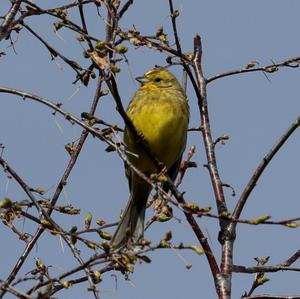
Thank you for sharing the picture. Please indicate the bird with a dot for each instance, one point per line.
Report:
(159, 112)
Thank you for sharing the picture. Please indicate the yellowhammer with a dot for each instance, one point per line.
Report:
(159, 110)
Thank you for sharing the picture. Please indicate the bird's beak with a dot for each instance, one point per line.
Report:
(142, 79)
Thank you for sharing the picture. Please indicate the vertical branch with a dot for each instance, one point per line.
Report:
(190, 218)
(224, 278)
(84, 27)
(173, 19)
(178, 46)
(208, 141)
(109, 22)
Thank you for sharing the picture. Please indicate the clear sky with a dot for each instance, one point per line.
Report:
(254, 110)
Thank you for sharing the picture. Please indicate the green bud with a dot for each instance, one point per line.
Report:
(115, 69)
(191, 207)
(100, 45)
(262, 260)
(80, 38)
(66, 284)
(164, 244)
(145, 259)
(163, 217)
(58, 25)
(259, 220)
(47, 224)
(105, 246)
(96, 276)
(168, 236)
(6, 203)
(122, 49)
(262, 280)
(198, 249)
(100, 222)
(105, 235)
(88, 220)
(292, 224)
(175, 14)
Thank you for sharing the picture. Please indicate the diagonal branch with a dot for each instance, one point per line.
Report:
(261, 167)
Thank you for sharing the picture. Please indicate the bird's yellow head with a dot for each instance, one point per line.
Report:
(160, 78)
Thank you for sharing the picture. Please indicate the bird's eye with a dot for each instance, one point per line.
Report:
(157, 79)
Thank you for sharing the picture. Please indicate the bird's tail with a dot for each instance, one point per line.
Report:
(131, 226)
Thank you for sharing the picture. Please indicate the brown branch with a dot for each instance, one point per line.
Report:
(53, 12)
(7, 24)
(261, 167)
(54, 53)
(206, 131)
(84, 27)
(262, 269)
(271, 297)
(19, 294)
(56, 107)
(21, 260)
(63, 7)
(175, 33)
(124, 8)
(271, 68)
(292, 259)
(223, 283)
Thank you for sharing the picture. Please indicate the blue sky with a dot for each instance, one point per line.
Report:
(252, 109)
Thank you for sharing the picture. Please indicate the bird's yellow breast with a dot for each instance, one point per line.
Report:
(161, 115)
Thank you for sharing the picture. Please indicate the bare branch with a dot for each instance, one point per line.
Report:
(250, 68)
(262, 269)
(271, 297)
(261, 167)
(7, 24)
(124, 9)
(13, 291)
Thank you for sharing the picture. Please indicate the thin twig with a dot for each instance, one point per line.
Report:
(84, 27)
(54, 53)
